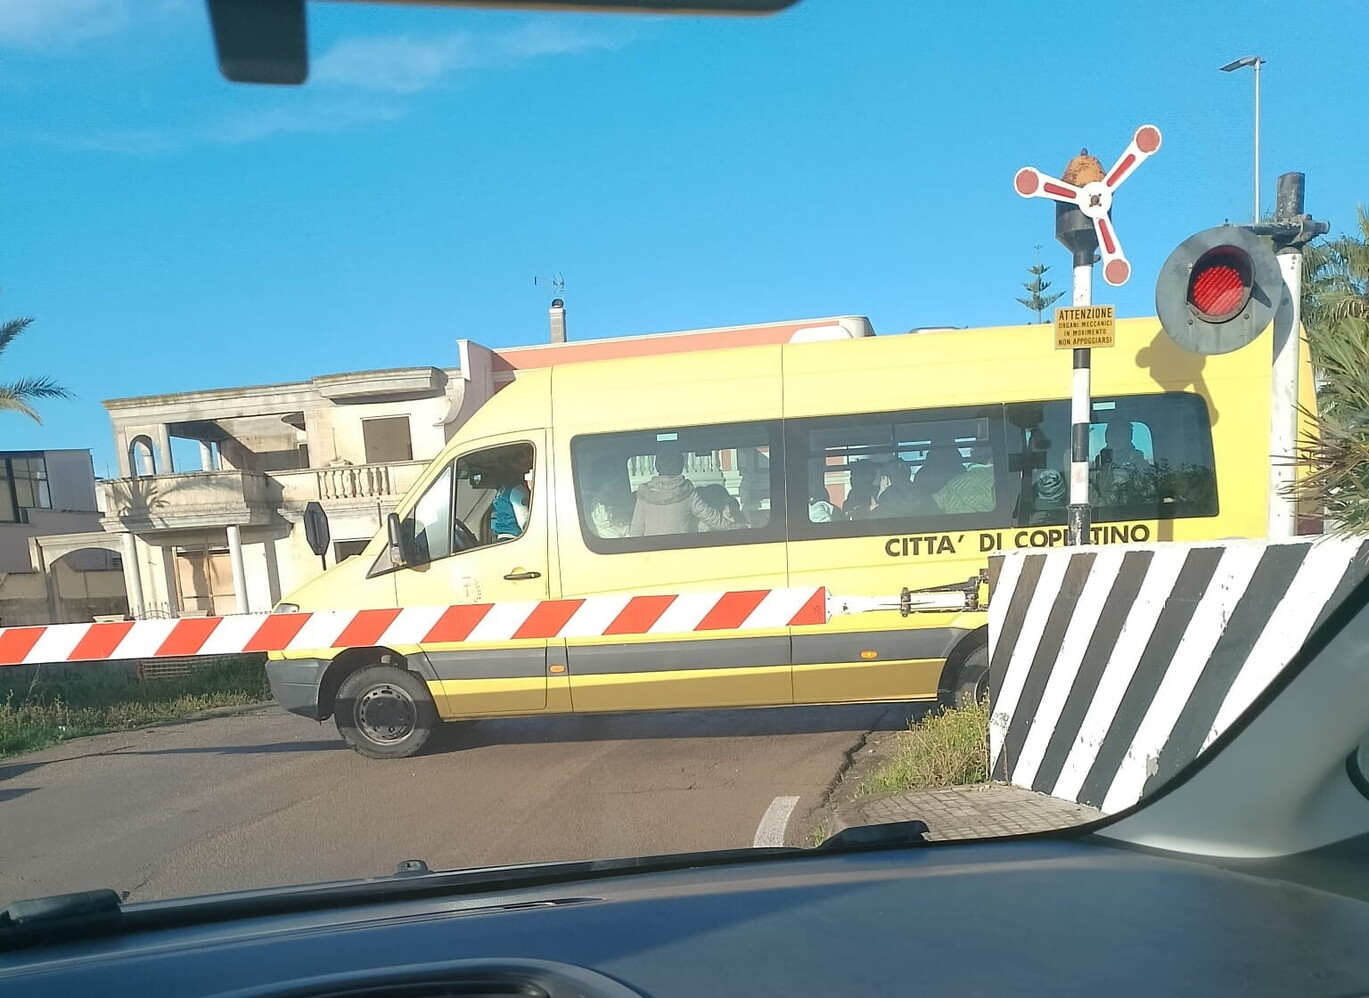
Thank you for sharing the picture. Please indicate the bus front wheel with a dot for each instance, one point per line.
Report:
(385, 713)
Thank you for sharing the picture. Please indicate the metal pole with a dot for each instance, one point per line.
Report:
(239, 570)
(1081, 403)
(1283, 403)
(1256, 216)
(133, 580)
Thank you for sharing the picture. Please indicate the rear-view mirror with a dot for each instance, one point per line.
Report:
(266, 41)
(394, 530)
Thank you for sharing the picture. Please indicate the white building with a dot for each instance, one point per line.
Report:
(220, 537)
(52, 493)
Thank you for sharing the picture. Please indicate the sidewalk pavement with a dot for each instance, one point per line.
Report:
(974, 812)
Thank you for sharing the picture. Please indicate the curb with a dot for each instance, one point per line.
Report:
(203, 715)
(954, 812)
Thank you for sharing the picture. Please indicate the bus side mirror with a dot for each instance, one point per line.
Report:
(395, 532)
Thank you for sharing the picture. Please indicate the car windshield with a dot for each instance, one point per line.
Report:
(507, 436)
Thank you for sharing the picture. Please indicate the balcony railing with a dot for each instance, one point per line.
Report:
(215, 498)
(349, 481)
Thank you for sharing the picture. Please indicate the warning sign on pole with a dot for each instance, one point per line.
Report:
(1085, 327)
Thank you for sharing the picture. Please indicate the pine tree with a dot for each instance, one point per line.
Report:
(1037, 287)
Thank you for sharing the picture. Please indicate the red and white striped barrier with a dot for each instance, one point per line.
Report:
(596, 616)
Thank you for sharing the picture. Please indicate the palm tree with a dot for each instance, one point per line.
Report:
(20, 394)
(1335, 310)
(1336, 278)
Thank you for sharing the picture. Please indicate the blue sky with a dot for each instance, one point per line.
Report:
(171, 231)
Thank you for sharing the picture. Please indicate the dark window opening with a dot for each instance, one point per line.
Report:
(386, 438)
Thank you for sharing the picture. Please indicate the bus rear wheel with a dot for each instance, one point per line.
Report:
(385, 713)
(972, 681)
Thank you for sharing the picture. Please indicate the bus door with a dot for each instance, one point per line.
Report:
(479, 534)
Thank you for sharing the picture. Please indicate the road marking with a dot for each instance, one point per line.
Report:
(774, 822)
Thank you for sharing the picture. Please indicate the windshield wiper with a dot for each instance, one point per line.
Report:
(60, 916)
(893, 833)
(67, 917)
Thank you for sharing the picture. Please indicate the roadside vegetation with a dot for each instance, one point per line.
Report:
(946, 749)
(51, 705)
(1336, 317)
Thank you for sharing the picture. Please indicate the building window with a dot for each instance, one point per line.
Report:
(1150, 457)
(204, 577)
(387, 439)
(677, 487)
(23, 486)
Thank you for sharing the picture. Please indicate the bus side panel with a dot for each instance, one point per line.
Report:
(671, 670)
(872, 657)
(680, 671)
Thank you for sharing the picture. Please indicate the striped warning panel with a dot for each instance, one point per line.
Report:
(1112, 668)
(593, 616)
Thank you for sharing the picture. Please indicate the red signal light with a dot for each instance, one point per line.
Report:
(1220, 282)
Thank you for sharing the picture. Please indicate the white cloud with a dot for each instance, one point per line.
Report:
(138, 142)
(314, 118)
(396, 65)
(406, 64)
(379, 72)
(57, 24)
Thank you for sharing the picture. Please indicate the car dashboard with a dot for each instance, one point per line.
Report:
(1034, 916)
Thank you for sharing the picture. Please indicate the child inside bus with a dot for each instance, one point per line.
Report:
(860, 500)
(668, 503)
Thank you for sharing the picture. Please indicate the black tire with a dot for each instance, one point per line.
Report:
(384, 712)
(972, 679)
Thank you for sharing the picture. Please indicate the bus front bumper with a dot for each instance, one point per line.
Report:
(295, 684)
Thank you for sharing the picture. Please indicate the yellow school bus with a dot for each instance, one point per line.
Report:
(862, 465)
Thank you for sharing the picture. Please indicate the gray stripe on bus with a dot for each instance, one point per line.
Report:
(678, 656)
(902, 645)
(492, 663)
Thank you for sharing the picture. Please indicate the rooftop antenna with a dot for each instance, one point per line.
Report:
(557, 312)
(557, 282)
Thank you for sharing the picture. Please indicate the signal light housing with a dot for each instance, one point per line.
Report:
(1218, 290)
(1219, 285)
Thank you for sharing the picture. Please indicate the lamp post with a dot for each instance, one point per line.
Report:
(1255, 61)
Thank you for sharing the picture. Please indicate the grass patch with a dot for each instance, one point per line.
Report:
(946, 749)
(44, 708)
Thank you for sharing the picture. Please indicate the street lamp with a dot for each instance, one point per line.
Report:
(1256, 61)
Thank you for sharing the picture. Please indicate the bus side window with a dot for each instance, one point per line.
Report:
(428, 527)
(897, 472)
(1150, 457)
(495, 492)
(698, 486)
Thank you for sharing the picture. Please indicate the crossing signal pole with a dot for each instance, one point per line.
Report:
(1083, 225)
(1221, 288)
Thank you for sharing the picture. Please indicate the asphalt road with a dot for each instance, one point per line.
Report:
(265, 798)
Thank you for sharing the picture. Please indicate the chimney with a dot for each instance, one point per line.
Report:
(558, 320)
